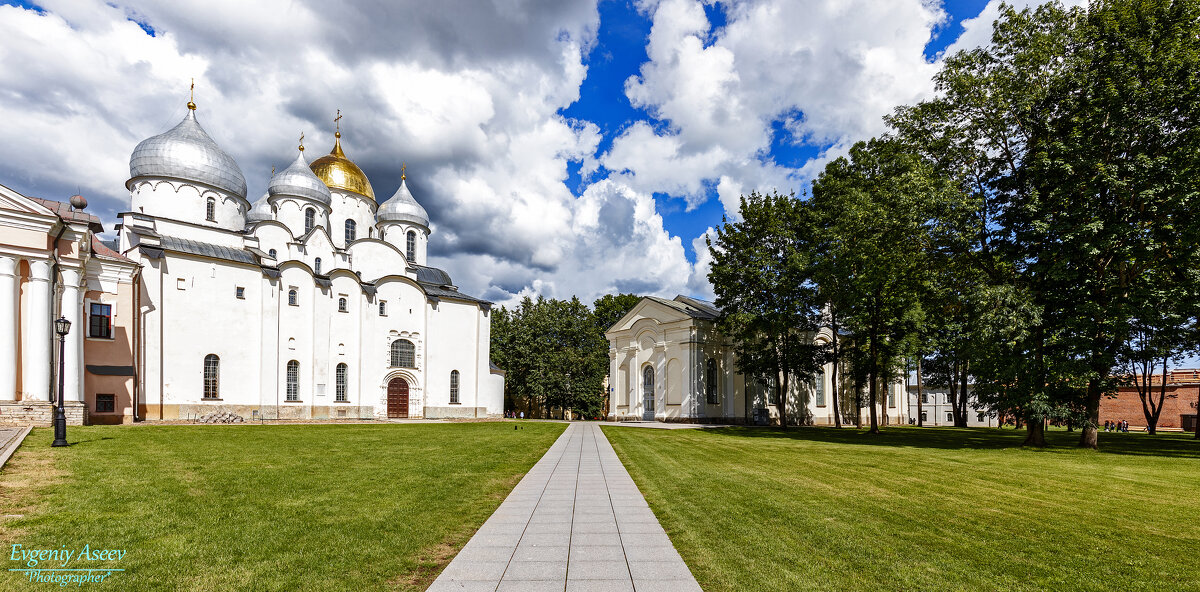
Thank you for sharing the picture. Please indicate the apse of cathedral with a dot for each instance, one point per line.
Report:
(313, 301)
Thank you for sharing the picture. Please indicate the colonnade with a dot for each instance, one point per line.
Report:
(27, 330)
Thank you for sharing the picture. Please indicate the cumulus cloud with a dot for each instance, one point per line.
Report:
(470, 95)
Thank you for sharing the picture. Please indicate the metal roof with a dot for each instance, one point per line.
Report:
(692, 307)
(432, 275)
(191, 247)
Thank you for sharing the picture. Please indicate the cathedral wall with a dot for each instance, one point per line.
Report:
(376, 259)
(202, 315)
(179, 200)
(290, 212)
(296, 338)
(453, 344)
(350, 207)
(396, 234)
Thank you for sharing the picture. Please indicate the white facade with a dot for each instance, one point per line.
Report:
(937, 410)
(277, 314)
(669, 363)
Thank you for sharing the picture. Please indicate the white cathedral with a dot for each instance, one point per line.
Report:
(313, 302)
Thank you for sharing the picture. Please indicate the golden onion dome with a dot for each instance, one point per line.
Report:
(339, 172)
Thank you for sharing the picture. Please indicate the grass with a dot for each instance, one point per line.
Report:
(312, 507)
(922, 509)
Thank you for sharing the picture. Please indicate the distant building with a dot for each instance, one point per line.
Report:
(668, 362)
(936, 409)
(51, 264)
(1179, 404)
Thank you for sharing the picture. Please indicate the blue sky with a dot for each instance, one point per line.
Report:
(567, 148)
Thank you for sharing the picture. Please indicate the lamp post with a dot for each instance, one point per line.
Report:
(61, 326)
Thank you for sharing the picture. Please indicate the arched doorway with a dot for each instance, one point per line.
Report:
(648, 393)
(397, 398)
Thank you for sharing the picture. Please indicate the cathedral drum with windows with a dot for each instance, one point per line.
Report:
(312, 302)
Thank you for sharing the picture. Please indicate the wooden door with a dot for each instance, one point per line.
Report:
(397, 398)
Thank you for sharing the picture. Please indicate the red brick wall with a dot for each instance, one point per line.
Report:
(1127, 406)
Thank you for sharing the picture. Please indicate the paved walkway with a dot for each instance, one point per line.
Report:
(576, 522)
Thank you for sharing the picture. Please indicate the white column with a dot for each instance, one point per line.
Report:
(8, 328)
(72, 308)
(38, 326)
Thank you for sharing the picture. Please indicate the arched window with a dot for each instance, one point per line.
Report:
(317, 265)
(820, 389)
(273, 254)
(310, 219)
(454, 386)
(340, 393)
(212, 376)
(343, 306)
(403, 354)
(412, 247)
(648, 406)
(211, 210)
(292, 300)
(351, 231)
(710, 382)
(293, 381)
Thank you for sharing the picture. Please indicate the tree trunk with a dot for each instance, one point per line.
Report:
(837, 411)
(1198, 415)
(781, 399)
(871, 387)
(1035, 434)
(1090, 436)
(962, 393)
(920, 422)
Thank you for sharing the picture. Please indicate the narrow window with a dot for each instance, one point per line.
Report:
(240, 292)
(211, 210)
(980, 417)
(310, 219)
(891, 397)
(351, 231)
(292, 300)
(340, 393)
(454, 386)
(924, 398)
(212, 376)
(273, 254)
(949, 418)
(710, 381)
(293, 380)
(924, 416)
(106, 403)
(100, 321)
(403, 354)
(821, 389)
(412, 247)
(342, 305)
(383, 308)
(317, 265)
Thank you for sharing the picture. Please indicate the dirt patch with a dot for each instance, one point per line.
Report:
(430, 563)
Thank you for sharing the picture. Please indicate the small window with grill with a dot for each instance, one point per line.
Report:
(343, 305)
(383, 308)
(293, 298)
(106, 403)
(240, 292)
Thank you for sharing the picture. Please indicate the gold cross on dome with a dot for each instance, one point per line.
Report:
(192, 98)
(302, 141)
(338, 121)
(403, 166)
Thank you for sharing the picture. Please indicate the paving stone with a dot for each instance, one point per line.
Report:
(597, 570)
(536, 570)
(599, 586)
(541, 553)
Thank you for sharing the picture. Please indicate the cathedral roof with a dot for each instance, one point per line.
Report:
(403, 207)
(299, 180)
(339, 172)
(186, 152)
(261, 210)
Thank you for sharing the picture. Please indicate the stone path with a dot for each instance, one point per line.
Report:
(10, 440)
(576, 522)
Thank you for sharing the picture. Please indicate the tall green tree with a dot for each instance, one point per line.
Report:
(875, 208)
(611, 307)
(1078, 127)
(771, 309)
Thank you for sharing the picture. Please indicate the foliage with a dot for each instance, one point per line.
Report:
(611, 307)
(771, 309)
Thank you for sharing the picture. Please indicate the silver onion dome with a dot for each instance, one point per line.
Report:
(186, 152)
(402, 207)
(261, 211)
(298, 180)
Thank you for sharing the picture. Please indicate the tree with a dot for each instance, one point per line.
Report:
(1078, 129)
(874, 207)
(761, 274)
(611, 307)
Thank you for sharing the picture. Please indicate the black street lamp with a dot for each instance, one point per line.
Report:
(61, 326)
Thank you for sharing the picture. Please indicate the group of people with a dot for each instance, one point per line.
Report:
(514, 414)
(1116, 426)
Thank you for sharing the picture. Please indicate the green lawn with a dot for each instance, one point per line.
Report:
(913, 509)
(311, 507)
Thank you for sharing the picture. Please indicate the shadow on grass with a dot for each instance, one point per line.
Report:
(88, 440)
(948, 438)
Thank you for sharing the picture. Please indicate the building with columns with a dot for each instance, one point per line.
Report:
(314, 301)
(668, 362)
(52, 263)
